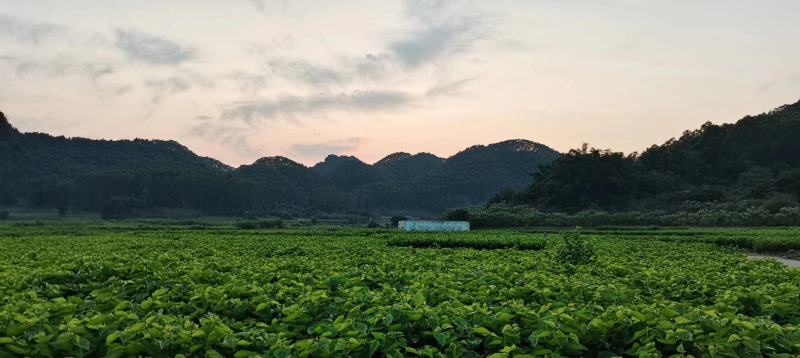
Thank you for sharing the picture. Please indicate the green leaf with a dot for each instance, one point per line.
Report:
(213, 354)
(419, 299)
(112, 337)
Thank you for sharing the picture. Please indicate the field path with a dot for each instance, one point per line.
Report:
(787, 262)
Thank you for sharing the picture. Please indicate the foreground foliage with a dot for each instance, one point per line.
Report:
(220, 292)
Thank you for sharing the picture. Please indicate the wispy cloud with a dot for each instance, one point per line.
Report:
(96, 73)
(228, 134)
(452, 88)
(28, 31)
(64, 66)
(249, 83)
(371, 66)
(265, 5)
(151, 49)
(178, 83)
(306, 72)
(440, 28)
(289, 107)
(320, 150)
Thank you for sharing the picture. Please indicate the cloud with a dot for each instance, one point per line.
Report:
(289, 107)
(175, 84)
(32, 32)
(341, 73)
(227, 134)
(263, 5)
(67, 67)
(441, 29)
(453, 88)
(249, 83)
(64, 66)
(320, 150)
(371, 66)
(306, 72)
(260, 5)
(151, 49)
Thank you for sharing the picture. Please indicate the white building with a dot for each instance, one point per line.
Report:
(430, 225)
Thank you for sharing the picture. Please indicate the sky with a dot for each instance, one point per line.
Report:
(242, 79)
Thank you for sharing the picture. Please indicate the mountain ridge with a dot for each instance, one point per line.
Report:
(44, 170)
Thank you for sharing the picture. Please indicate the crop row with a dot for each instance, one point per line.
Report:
(473, 242)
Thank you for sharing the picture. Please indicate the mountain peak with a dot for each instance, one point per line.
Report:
(393, 157)
(511, 145)
(519, 145)
(5, 126)
(341, 158)
(276, 161)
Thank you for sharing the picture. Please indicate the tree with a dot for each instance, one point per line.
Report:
(591, 178)
(395, 220)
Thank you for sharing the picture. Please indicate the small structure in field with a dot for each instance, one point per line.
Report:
(432, 225)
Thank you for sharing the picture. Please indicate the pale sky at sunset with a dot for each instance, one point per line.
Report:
(241, 79)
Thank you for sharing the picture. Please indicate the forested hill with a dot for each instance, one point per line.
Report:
(126, 176)
(754, 162)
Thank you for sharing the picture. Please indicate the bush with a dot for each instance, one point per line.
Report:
(372, 224)
(457, 215)
(4, 215)
(575, 250)
(777, 202)
(261, 224)
(396, 219)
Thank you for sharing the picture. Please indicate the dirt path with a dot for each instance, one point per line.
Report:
(787, 262)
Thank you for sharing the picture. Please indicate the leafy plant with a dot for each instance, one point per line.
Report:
(136, 288)
(574, 249)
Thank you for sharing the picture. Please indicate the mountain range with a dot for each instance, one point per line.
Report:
(753, 162)
(97, 175)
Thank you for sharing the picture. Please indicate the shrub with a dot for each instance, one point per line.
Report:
(777, 202)
(575, 250)
(262, 224)
(396, 219)
(272, 224)
(457, 215)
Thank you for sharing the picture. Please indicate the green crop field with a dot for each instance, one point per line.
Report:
(193, 289)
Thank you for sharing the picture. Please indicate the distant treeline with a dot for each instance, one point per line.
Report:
(136, 177)
(747, 173)
(504, 216)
